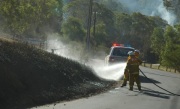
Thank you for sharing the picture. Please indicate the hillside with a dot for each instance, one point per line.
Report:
(30, 77)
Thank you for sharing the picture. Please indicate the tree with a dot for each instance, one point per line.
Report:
(23, 17)
(101, 35)
(123, 22)
(136, 30)
(106, 19)
(78, 9)
(158, 41)
(73, 29)
(114, 5)
(172, 48)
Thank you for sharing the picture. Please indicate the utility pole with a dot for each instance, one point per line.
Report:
(89, 24)
(94, 29)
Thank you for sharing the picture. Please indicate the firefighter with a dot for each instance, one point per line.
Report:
(132, 68)
(126, 74)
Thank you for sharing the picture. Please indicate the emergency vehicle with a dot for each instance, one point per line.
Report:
(118, 54)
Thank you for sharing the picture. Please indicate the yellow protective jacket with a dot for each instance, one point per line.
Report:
(133, 65)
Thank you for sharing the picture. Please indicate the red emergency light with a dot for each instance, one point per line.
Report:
(115, 44)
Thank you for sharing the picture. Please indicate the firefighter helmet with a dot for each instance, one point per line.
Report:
(131, 53)
(137, 51)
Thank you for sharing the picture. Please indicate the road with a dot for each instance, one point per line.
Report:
(121, 98)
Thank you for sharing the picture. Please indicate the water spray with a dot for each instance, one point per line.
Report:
(113, 72)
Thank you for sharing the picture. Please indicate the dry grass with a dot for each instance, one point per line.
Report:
(158, 66)
(31, 77)
(6, 39)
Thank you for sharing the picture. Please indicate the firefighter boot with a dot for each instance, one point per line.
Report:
(139, 88)
(124, 83)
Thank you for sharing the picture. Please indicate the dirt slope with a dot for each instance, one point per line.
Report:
(31, 77)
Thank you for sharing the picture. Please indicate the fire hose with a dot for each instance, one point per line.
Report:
(158, 85)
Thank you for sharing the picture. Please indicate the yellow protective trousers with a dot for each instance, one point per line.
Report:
(126, 76)
(134, 78)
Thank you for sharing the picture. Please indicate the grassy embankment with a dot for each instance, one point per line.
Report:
(160, 67)
(31, 77)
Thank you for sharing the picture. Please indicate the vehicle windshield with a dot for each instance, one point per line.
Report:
(121, 51)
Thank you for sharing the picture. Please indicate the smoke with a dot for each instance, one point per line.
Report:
(150, 8)
(64, 48)
(74, 51)
(169, 16)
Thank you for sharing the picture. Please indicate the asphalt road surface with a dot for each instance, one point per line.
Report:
(121, 98)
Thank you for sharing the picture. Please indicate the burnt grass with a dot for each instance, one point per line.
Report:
(31, 77)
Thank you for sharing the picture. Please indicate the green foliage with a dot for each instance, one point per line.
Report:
(172, 46)
(73, 29)
(158, 41)
(104, 16)
(114, 5)
(35, 17)
(105, 19)
(21, 16)
(123, 21)
(78, 9)
(136, 30)
(165, 43)
(101, 36)
(143, 24)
